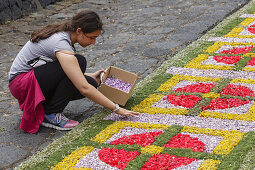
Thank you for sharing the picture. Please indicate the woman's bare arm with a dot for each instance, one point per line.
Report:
(71, 67)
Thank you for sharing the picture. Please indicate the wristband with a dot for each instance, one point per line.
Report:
(117, 107)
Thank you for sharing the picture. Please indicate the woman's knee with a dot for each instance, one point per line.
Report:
(82, 62)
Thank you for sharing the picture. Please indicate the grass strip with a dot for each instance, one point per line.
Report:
(198, 107)
(220, 85)
(138, 162)
(238, 154)
(179, 93)
(227, 28)
(248, 163)
(203, 45)
(241, 63)
(169, 133)
(181, 152)
(237, 97)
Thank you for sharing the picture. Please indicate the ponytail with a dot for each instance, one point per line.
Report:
(87, 20)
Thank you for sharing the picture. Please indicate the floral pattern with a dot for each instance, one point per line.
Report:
(204, 110)
(166, 161)
(185, 141)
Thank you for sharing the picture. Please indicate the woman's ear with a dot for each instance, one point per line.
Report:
(79, 31)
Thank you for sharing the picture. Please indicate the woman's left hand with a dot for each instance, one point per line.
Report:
(125, 112)
(96, 75)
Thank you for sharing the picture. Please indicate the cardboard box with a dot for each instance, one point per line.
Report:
(117, 96)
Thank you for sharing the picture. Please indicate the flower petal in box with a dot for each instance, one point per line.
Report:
(117, 84)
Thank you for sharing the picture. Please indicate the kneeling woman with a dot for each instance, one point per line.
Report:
(47, 74)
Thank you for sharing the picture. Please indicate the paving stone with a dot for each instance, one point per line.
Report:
(140, 65)
(154, 52)
(165, 45)
(4, 105)
(183, 37)
(10, 121)
(62, 16)
(21, 138)
(192, 28)
(13, 106)
(160, 30)
(10, 154)
(94, 110)
(78, 106)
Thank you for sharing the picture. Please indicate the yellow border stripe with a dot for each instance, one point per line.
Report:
(249, 116)
(250, 69)
(71, 160)
(178, 78)
(244, 81)
(230, 138)
(218, 45)
(145, 107)
(196, 63)
(247, 22)
(209, 164)
(114, 128)
(237, 30)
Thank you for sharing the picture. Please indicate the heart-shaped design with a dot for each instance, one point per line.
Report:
(237, 50)
(187, 101)
(198, 88)
(251, 62)
(227, 59)
(185, 141)
(117, 158)
(142, 139)
(220, 103)
(237, 90)
(166, 161)
(251, 29)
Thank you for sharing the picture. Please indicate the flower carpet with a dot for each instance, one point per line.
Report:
(197, 112)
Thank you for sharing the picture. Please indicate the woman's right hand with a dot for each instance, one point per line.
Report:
(126, 112)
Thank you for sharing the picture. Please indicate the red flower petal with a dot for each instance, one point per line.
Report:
(237, 90)
(143, 139)
(166, 161)
(225, 103)
(198, 88)
(117, 158)
(237, 50)
(251, 29)
(185, 141)
(187, 101)
(251, 62)
(227, 59)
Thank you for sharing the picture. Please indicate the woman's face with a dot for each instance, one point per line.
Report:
(86, 39)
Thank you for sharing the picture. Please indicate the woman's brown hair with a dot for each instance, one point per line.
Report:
(89, 21)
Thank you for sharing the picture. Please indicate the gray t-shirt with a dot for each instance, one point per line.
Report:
(44, 49)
